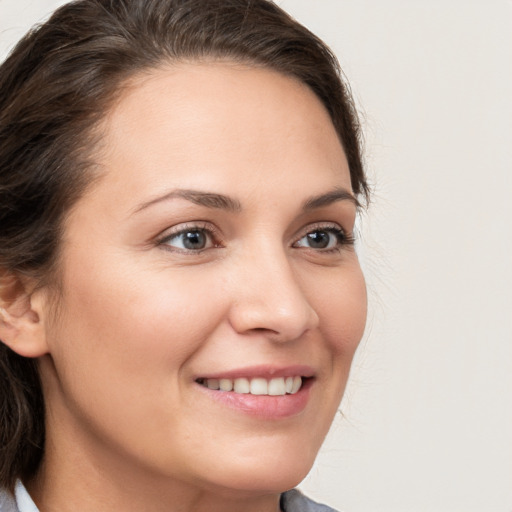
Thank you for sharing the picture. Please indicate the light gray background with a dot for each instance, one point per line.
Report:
(427, 418)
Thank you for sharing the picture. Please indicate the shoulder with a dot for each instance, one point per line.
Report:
(295, 501)
(7, 503)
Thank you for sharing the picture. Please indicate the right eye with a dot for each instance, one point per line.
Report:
(192, 239)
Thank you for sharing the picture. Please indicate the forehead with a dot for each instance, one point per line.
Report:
(216, 125)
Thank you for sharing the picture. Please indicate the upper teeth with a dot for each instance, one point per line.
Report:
(256, 386)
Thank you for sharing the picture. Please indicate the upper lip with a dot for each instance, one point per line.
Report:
(261, 371)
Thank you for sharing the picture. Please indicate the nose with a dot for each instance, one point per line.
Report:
(268, 298)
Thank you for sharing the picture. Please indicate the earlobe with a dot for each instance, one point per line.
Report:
(22, 326)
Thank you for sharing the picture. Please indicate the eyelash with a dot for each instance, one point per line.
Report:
(210, 231)
(343, 239)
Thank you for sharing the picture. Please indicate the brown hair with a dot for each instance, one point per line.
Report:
(57, 84)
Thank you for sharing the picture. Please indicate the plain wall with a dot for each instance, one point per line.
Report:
(426, 422)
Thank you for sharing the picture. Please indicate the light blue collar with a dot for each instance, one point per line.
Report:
(23, 499)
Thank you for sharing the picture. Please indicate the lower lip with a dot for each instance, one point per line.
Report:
(263, 406)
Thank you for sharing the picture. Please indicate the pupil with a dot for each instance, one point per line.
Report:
(318, 239)
(194, 240)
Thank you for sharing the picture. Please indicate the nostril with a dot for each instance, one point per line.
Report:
(263, 330)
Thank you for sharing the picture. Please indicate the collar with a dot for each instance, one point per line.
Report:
(23, 499)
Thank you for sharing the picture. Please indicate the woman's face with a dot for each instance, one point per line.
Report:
(215, 250)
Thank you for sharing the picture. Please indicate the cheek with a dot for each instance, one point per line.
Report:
(132, 324)
(119, 350)
(342, 309)
(341, 304)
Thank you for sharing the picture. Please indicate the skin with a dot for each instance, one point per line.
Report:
(139, 317)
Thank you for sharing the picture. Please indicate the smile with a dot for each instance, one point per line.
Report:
(277, 386)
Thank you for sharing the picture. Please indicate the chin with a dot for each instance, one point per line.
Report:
(271, 481)
(276, 473)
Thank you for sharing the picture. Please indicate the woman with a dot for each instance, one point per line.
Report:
(180, 296)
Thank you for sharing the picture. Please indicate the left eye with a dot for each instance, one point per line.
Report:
(190, 240)
(322, 239)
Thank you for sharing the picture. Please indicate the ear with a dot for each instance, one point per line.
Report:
(22, 310)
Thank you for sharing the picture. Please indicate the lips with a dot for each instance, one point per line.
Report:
(266, 392)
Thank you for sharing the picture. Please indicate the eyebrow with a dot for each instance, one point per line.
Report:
(222, 202)
(207, 199)
(333, 196)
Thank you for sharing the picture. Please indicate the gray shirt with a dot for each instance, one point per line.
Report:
(291, 501)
